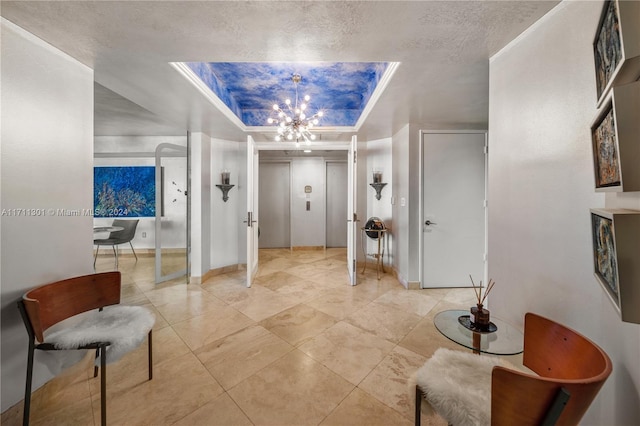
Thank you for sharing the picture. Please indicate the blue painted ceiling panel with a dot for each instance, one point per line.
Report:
(249, 89)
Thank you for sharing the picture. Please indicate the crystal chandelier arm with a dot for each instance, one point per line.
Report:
(292, 121)
(290, 109)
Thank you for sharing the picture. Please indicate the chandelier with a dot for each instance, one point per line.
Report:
(292, 121)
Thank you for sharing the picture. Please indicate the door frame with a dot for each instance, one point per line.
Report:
(253, 212)
(352, 210)
(341, 146)
(178, 151)
(486, 194)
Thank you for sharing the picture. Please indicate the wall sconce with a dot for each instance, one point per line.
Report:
(225, 186)
(377, 183)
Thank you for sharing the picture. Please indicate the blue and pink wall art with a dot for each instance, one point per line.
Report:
(124, 191)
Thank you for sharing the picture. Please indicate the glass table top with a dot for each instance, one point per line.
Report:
(506, 340)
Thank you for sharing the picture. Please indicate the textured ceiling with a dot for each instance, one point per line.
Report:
(443, 48)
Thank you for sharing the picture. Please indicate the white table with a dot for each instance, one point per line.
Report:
(98, 229)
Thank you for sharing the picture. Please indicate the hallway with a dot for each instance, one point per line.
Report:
(299, 347)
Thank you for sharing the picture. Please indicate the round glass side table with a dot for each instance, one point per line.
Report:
(505, 340)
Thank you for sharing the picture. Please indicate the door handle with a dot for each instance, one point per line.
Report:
(428, 222)
(249, 220)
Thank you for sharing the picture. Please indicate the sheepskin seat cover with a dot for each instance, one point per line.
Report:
(457, 386)
(125, 327)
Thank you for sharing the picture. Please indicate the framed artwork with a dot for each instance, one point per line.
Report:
(616, 46)
(124, 191)
(605, 150)
(604, 254)
(615, 141)
(616, 253)
(607, 46)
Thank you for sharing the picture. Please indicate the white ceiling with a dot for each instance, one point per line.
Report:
(443, 47)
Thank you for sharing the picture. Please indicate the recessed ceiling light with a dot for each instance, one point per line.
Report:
(307, 150)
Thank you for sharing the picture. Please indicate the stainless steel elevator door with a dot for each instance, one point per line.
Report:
(336, 204)
(275, 205)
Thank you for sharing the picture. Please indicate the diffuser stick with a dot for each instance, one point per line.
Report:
(489, 287)
(474, 288)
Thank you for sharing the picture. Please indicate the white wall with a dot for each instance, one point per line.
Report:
(406, 163)
(174, 235)
(379, 157)
(241, 236)
(542, 101)
(46, 163)
(400, 190)
(227, 229)
(200, 149)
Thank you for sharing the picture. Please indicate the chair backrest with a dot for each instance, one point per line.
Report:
(562, 358)
(51, 303)
(127, 233)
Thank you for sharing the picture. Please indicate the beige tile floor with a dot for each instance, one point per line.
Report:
(300, 347)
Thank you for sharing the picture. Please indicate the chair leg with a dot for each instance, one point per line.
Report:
(418, 405)
(103, 386)
(27, 392)
(95, 367)
(96, 257)
(115, 254)
(134, 252)
(150, 355)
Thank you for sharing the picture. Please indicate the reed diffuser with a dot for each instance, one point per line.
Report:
(479, 317)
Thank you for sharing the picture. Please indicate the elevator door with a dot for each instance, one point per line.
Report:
(336, 204)
(275, 211)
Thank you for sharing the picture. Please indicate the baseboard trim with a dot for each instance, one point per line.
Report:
(214, 272)
(149, 252)
(221, 270)
(298, 248)
(401, 279)
(414, 285)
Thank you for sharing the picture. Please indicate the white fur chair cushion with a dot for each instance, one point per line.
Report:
(125, 327)
(457, 386)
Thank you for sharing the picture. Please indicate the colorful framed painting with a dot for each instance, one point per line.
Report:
(607, 47)
(605, 150)
(604, 254)
(616, 46)
(124, 191)
(616, 254)
(615, 141)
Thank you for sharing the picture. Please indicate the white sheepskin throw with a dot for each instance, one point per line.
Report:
(457, 386)
(125, 327)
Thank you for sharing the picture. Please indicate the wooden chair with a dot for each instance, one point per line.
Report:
(570, 370)
(48, 305)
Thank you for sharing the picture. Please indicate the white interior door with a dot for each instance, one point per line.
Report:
(252, 210)
(352, 215)
(454, 224)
